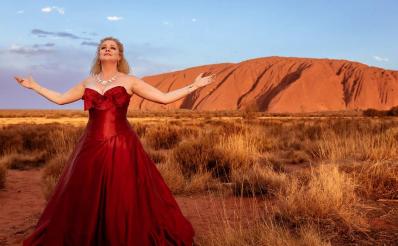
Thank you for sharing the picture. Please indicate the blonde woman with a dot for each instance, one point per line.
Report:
(110, 192)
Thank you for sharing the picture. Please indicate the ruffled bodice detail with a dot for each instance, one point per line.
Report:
(107, 112)
(115, 96)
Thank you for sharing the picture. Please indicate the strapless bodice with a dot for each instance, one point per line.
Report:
(107, 112)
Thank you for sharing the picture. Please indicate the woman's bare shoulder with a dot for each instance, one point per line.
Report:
(130, 79)
(133, 80)
(130, 76)
(88, 80)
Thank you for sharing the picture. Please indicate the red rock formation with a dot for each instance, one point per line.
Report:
(281, 84)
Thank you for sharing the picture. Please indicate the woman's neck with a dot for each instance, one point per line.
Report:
(108, 70)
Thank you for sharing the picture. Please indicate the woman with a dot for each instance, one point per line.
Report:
(110, 192)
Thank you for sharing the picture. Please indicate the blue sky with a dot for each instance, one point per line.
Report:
(54, 41)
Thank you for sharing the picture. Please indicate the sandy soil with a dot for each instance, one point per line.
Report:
(22, 202)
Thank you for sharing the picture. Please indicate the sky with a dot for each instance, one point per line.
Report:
(55, 41)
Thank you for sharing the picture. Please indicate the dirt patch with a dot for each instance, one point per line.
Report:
(22, 202)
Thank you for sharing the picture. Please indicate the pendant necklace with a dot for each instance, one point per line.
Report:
(104, 82)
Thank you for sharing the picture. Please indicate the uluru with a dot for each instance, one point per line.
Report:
(280, 85)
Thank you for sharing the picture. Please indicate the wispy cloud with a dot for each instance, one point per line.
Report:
(193, 19)
(89, 43)
(42, 33)
(73, 62)
(114, 18)
(61, 58)
(35, 49)
(381, 59)
(49, 9)
(43, 45)
(91, 33)
(20, 11)
(60, 70)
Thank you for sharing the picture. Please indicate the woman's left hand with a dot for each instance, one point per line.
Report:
(203, 81)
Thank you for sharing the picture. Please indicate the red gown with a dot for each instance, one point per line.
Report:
(110, 191)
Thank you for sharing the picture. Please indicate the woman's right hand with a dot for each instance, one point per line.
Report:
(29, 83)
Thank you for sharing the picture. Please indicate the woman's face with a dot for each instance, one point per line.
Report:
(109, 51)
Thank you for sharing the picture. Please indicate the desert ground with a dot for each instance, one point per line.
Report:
(241, 178)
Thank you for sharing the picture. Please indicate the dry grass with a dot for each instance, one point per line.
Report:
(249, 156)
(319, 211)
(198, 182)
(359, 146)
(264, 233)
(377, 180)
(258, 181)
(240, 149)
(52, 172)
(327, 199)
(162, 137)
(23, 161)
(195, 157)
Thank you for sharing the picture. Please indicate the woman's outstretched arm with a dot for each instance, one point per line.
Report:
(151, 93)
(72, 95)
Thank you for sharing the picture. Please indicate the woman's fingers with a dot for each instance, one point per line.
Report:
(19, 79)
(206, 77)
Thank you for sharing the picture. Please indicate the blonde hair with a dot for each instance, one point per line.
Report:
(122, 65)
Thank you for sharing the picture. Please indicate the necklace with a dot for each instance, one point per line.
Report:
(104, 82)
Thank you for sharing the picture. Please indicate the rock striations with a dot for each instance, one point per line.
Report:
(281, 84)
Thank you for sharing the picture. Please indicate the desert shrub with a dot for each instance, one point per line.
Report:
(392, 111)
(156, 156)
(328, 200)
(52, 172)
(160, 137)
(140, 128)
(199, 157)
(259, 180)
(370, 112)
(25, 160)
(376, 180)
(179, 184)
